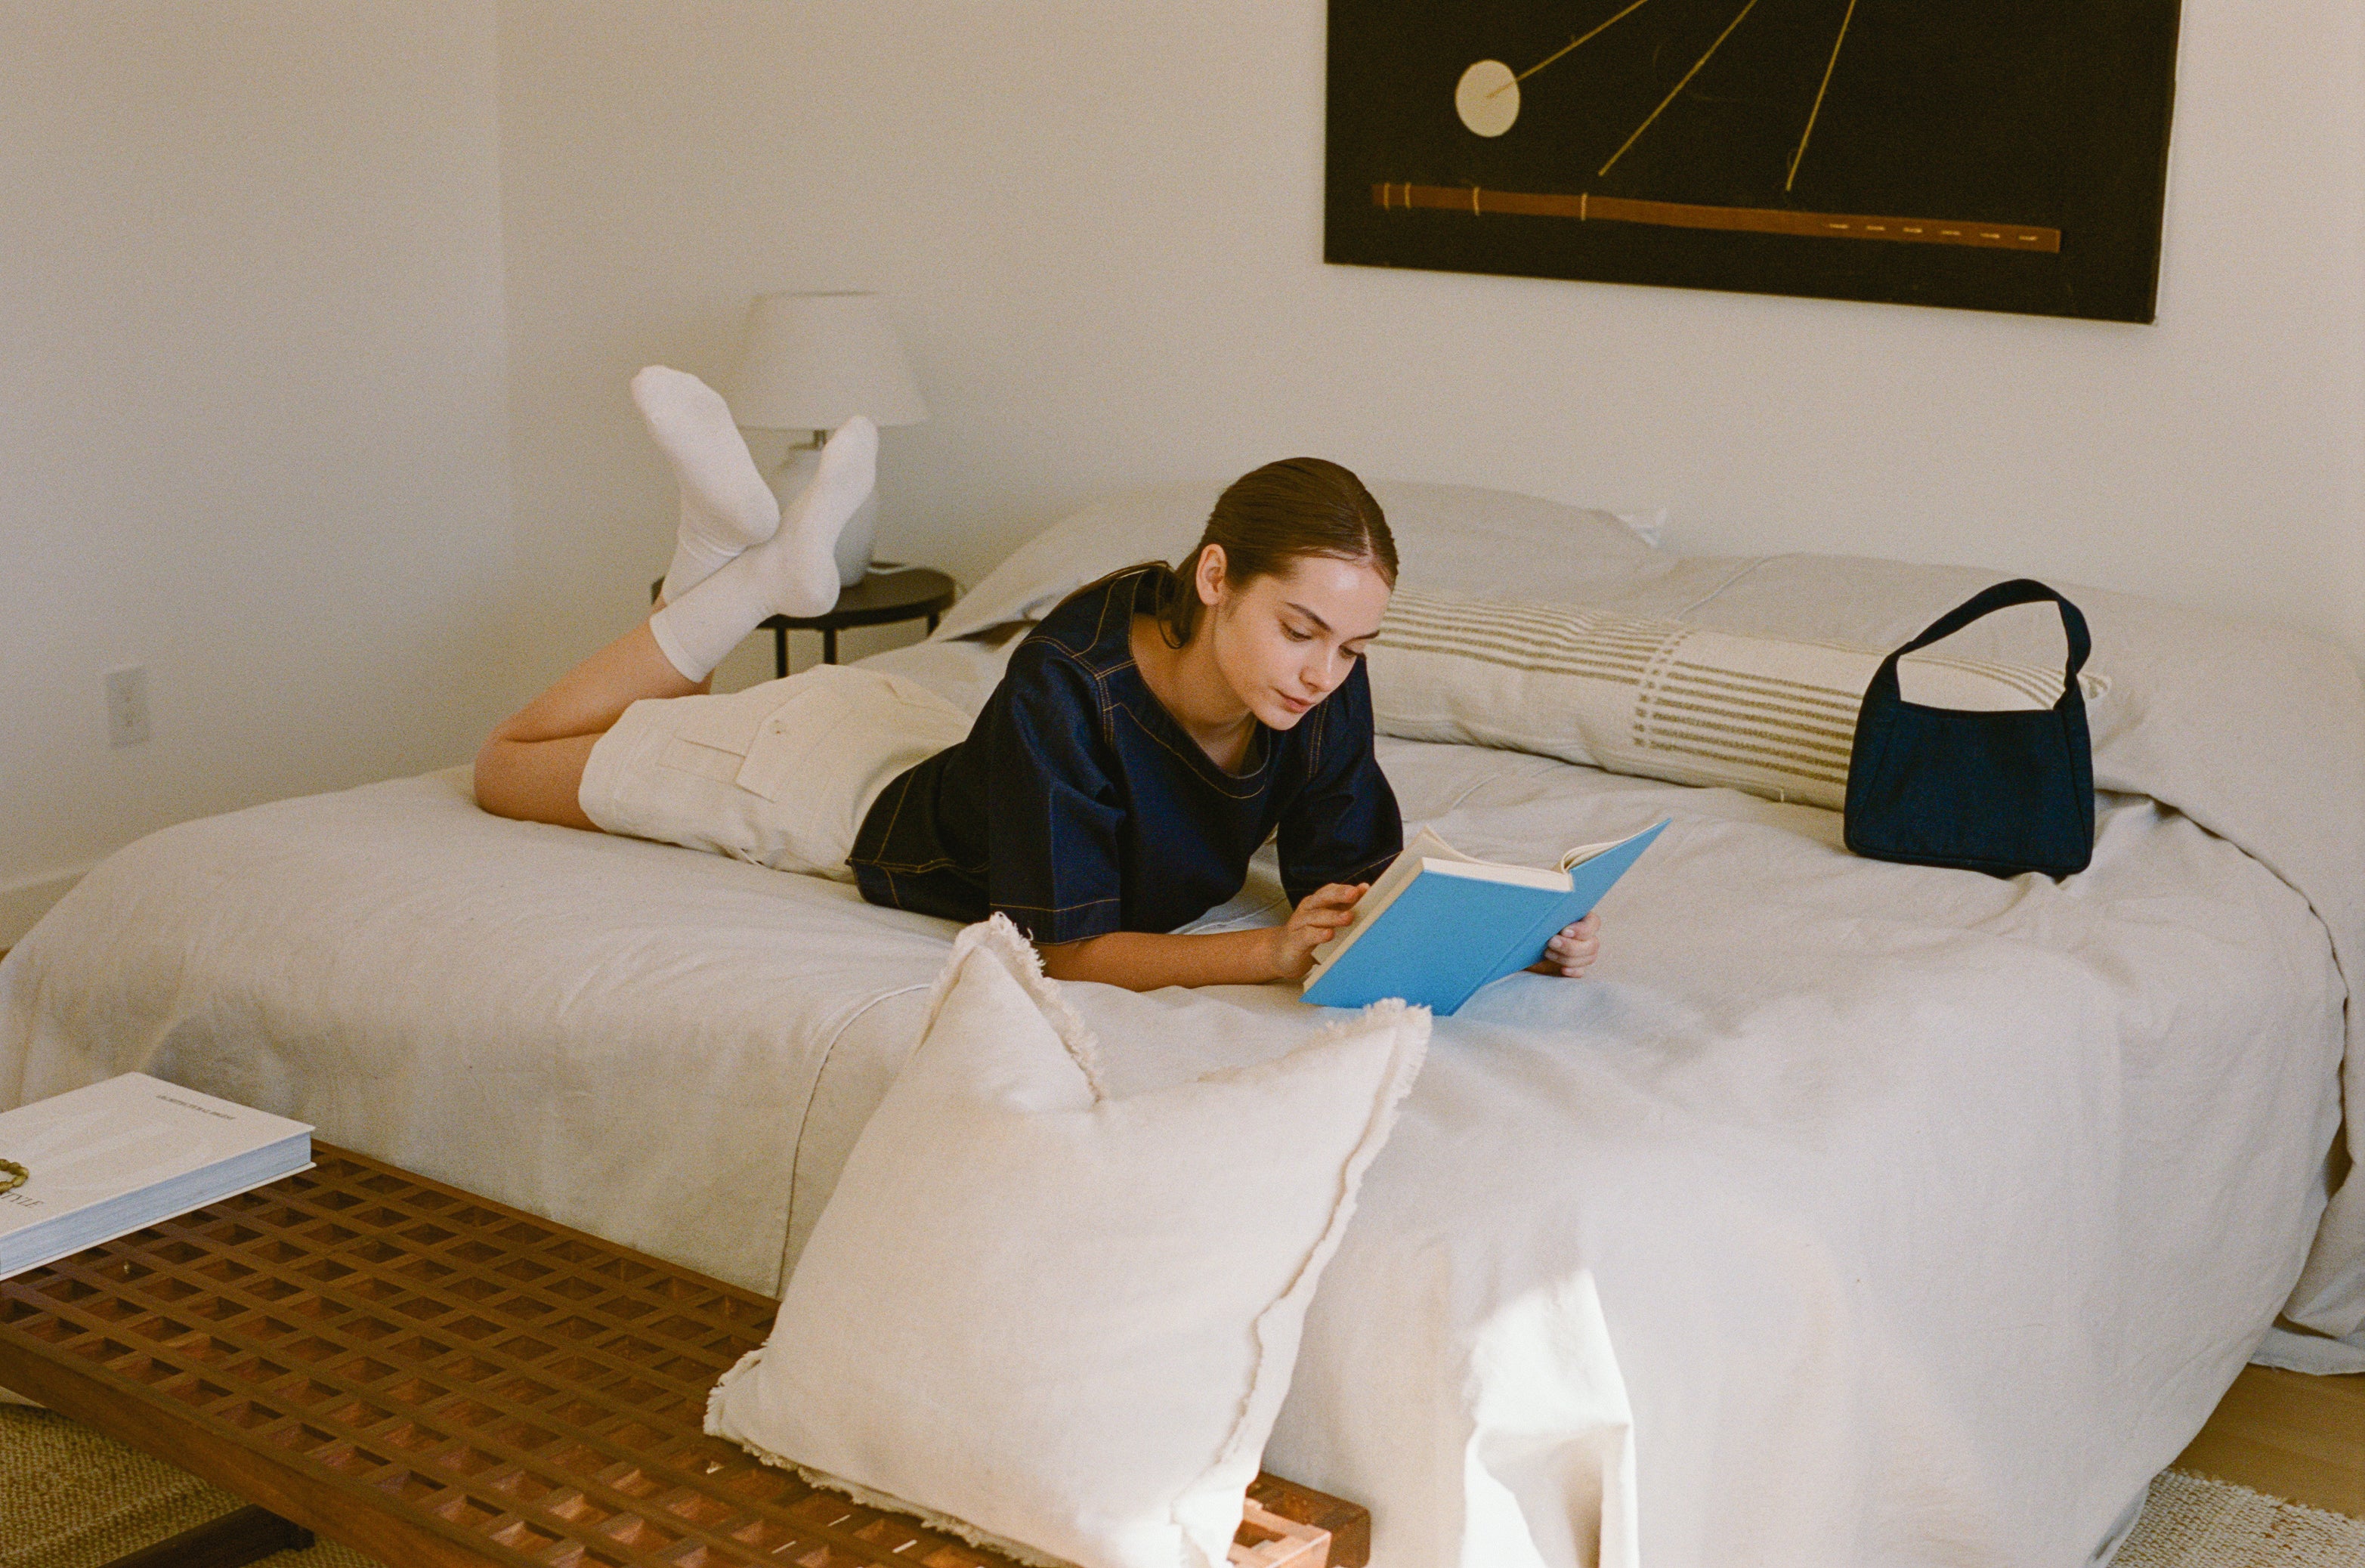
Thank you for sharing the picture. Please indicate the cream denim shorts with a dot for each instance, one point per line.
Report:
(779, 775)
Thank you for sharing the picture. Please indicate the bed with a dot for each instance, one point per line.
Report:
(1850, 1214)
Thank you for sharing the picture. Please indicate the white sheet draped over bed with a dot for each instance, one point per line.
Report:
(2253, 731)
(1850, 1214)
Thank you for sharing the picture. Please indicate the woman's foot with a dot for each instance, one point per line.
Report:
(792, 573)
(725, 505)
(847, 473)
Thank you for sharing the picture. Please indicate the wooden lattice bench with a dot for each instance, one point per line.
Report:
(440, 1381)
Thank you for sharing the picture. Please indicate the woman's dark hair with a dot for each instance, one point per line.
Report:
(1270, 519)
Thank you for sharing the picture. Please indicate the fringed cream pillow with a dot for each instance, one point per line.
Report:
(1662, 699)
(1055, 1320)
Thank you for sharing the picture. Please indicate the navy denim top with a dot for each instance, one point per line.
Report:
(1078, 805)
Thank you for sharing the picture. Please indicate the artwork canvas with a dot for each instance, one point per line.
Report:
(2006, 155)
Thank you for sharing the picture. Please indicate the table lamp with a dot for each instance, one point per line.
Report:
(810, 363)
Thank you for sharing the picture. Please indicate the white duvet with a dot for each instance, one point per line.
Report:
(1851, 1213)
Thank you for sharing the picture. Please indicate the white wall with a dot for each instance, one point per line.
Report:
(1100, 229)
(252, 419)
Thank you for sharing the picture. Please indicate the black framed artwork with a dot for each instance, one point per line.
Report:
(2002, 155)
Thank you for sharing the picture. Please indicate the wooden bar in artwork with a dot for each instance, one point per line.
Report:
(1587, 207)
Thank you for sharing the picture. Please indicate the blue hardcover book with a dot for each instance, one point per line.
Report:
(1438, 924)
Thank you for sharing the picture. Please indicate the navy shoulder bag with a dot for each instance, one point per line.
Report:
(1999, 792)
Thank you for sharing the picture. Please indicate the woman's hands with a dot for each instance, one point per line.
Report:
(1323, 913)
(1571, 952)
(1145, 960)
(1319, 916)
(1142, 961)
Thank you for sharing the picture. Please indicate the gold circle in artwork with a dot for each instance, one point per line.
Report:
(1487, 98)
(13, 1175)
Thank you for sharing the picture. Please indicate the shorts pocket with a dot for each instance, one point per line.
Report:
(702, 761)
(804, 737)
(712, 735)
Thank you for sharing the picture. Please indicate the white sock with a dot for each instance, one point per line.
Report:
(792, 573)
(725, 505)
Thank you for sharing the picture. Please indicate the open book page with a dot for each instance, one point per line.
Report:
(1585, 852)
(1427, 846)
(1429, 852)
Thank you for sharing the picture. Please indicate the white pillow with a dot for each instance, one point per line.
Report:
(1035, 1315)
(1659, 698)
(1451, 539)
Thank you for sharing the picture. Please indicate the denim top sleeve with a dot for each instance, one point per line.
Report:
(1343, 825)
(1058, 807)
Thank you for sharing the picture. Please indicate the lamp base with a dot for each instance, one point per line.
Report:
(855, 541)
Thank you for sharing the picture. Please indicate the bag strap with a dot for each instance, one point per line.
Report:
(2020, 590)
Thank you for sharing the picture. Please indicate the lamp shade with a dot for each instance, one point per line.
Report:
(814, 361)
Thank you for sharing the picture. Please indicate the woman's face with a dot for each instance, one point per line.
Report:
(1285, 642)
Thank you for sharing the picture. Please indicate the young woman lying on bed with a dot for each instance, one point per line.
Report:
(1144, 740)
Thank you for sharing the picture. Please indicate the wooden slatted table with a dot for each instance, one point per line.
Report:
(444, 1382)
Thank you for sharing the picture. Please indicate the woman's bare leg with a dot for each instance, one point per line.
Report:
(531, 768)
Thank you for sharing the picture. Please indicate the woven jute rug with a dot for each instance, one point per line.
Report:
(2194, 1522)
(71, 1499)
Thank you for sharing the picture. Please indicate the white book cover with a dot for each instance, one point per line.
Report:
(125, 1153)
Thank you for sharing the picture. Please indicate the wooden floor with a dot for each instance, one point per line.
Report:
(2288, 1434)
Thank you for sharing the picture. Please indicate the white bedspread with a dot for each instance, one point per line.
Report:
(1851, 1213)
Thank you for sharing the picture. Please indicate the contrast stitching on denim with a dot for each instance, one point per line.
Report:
(1109, 603)
(902, 788)
(1261, 786)
(912, 867)
(1052, 908)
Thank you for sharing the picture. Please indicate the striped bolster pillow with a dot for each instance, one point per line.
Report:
(1661, 699)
